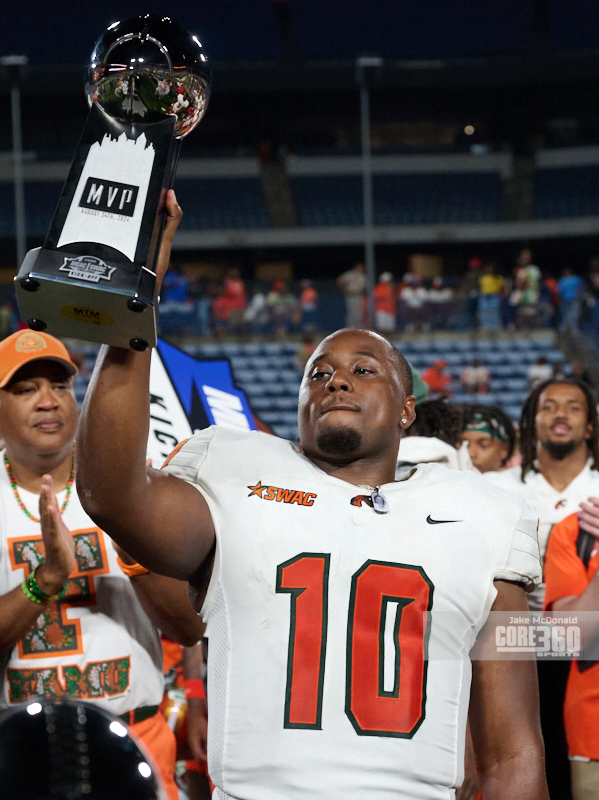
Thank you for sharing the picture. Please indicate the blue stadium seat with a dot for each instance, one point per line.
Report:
(566, 192)
(222, 203)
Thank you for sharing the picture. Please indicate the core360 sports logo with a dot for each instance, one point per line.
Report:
(279, 495)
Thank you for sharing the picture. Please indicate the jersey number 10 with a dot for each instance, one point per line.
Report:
(373, 710)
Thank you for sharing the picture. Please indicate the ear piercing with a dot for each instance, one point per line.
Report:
(404, 420)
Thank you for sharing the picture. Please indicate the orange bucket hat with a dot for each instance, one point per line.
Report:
(24, 346)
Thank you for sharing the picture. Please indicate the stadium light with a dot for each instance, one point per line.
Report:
(15, 63)
(363, 65)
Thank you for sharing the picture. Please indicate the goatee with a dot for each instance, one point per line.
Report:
(559, 450)
(339, 441)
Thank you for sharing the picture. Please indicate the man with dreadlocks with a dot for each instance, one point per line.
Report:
(559, 475)
(489, 435)
(559, 434)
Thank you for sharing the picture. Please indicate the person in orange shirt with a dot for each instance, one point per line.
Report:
(308, 301)
(234, 292)
(384, 304)
(572, 585)
(436, 380)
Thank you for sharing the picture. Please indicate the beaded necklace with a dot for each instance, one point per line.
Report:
(18, 497)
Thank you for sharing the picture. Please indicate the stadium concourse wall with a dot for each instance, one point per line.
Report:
(566, 199)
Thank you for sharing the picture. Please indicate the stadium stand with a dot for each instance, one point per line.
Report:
(268, 374)
(399, 199)
(230, 203)
(566, 192)
(40, 201)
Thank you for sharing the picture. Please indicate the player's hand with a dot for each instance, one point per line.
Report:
(58, 542)
(197, 727)
(588, 516)
(173, 218)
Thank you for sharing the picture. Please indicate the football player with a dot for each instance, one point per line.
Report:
(339, 630)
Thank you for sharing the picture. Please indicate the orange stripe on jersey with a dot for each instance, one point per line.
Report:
(174, 453)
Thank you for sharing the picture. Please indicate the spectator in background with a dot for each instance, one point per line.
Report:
(8, 319)
(528, 280)
(234, 291)
(176, 306)
(257, 314)
(594, 294)
(282, 304)
(412, 301)
(582, 373)
(540, 371)
(175, 291)
(437, 380)
(199, 297)
(353, 285)
(558, 372)
(529, 275)
(490, 435)
(489, 302)
(550, 300)
(304, 351)
(384, 304)
(308, 301)
(475, 378)
(571, 292)
(440, 304)
(221, 310)
(470, 288)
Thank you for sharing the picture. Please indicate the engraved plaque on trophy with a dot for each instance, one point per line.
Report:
(148, 86)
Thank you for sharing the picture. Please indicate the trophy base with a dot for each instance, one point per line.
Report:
(123, 315)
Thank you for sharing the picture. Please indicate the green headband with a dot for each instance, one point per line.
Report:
(478, 424)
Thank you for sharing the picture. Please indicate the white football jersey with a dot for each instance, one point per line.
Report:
(97, 643)
(339, 637)
(551, 506)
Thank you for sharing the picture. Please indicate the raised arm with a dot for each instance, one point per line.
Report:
(161, 521)
(504, 719)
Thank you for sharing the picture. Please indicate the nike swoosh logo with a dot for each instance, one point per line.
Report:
(440, 521)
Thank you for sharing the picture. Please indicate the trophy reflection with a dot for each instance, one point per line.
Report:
(148, 86)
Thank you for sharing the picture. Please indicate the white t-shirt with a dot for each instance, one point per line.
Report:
(96, 644)
(353, 283)
(429, 449)
(414, 296)
(339, 637)
(552, 506)
(474, 375)
(539, 372)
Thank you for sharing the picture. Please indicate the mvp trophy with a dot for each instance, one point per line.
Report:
(148, 86)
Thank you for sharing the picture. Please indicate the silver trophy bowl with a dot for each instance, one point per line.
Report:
(148, 68)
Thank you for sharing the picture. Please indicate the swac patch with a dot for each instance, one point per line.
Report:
(282, 495)
(362, 498)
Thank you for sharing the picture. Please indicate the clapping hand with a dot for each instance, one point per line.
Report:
(58, 542)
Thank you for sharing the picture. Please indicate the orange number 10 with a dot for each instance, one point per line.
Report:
(376, 588)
